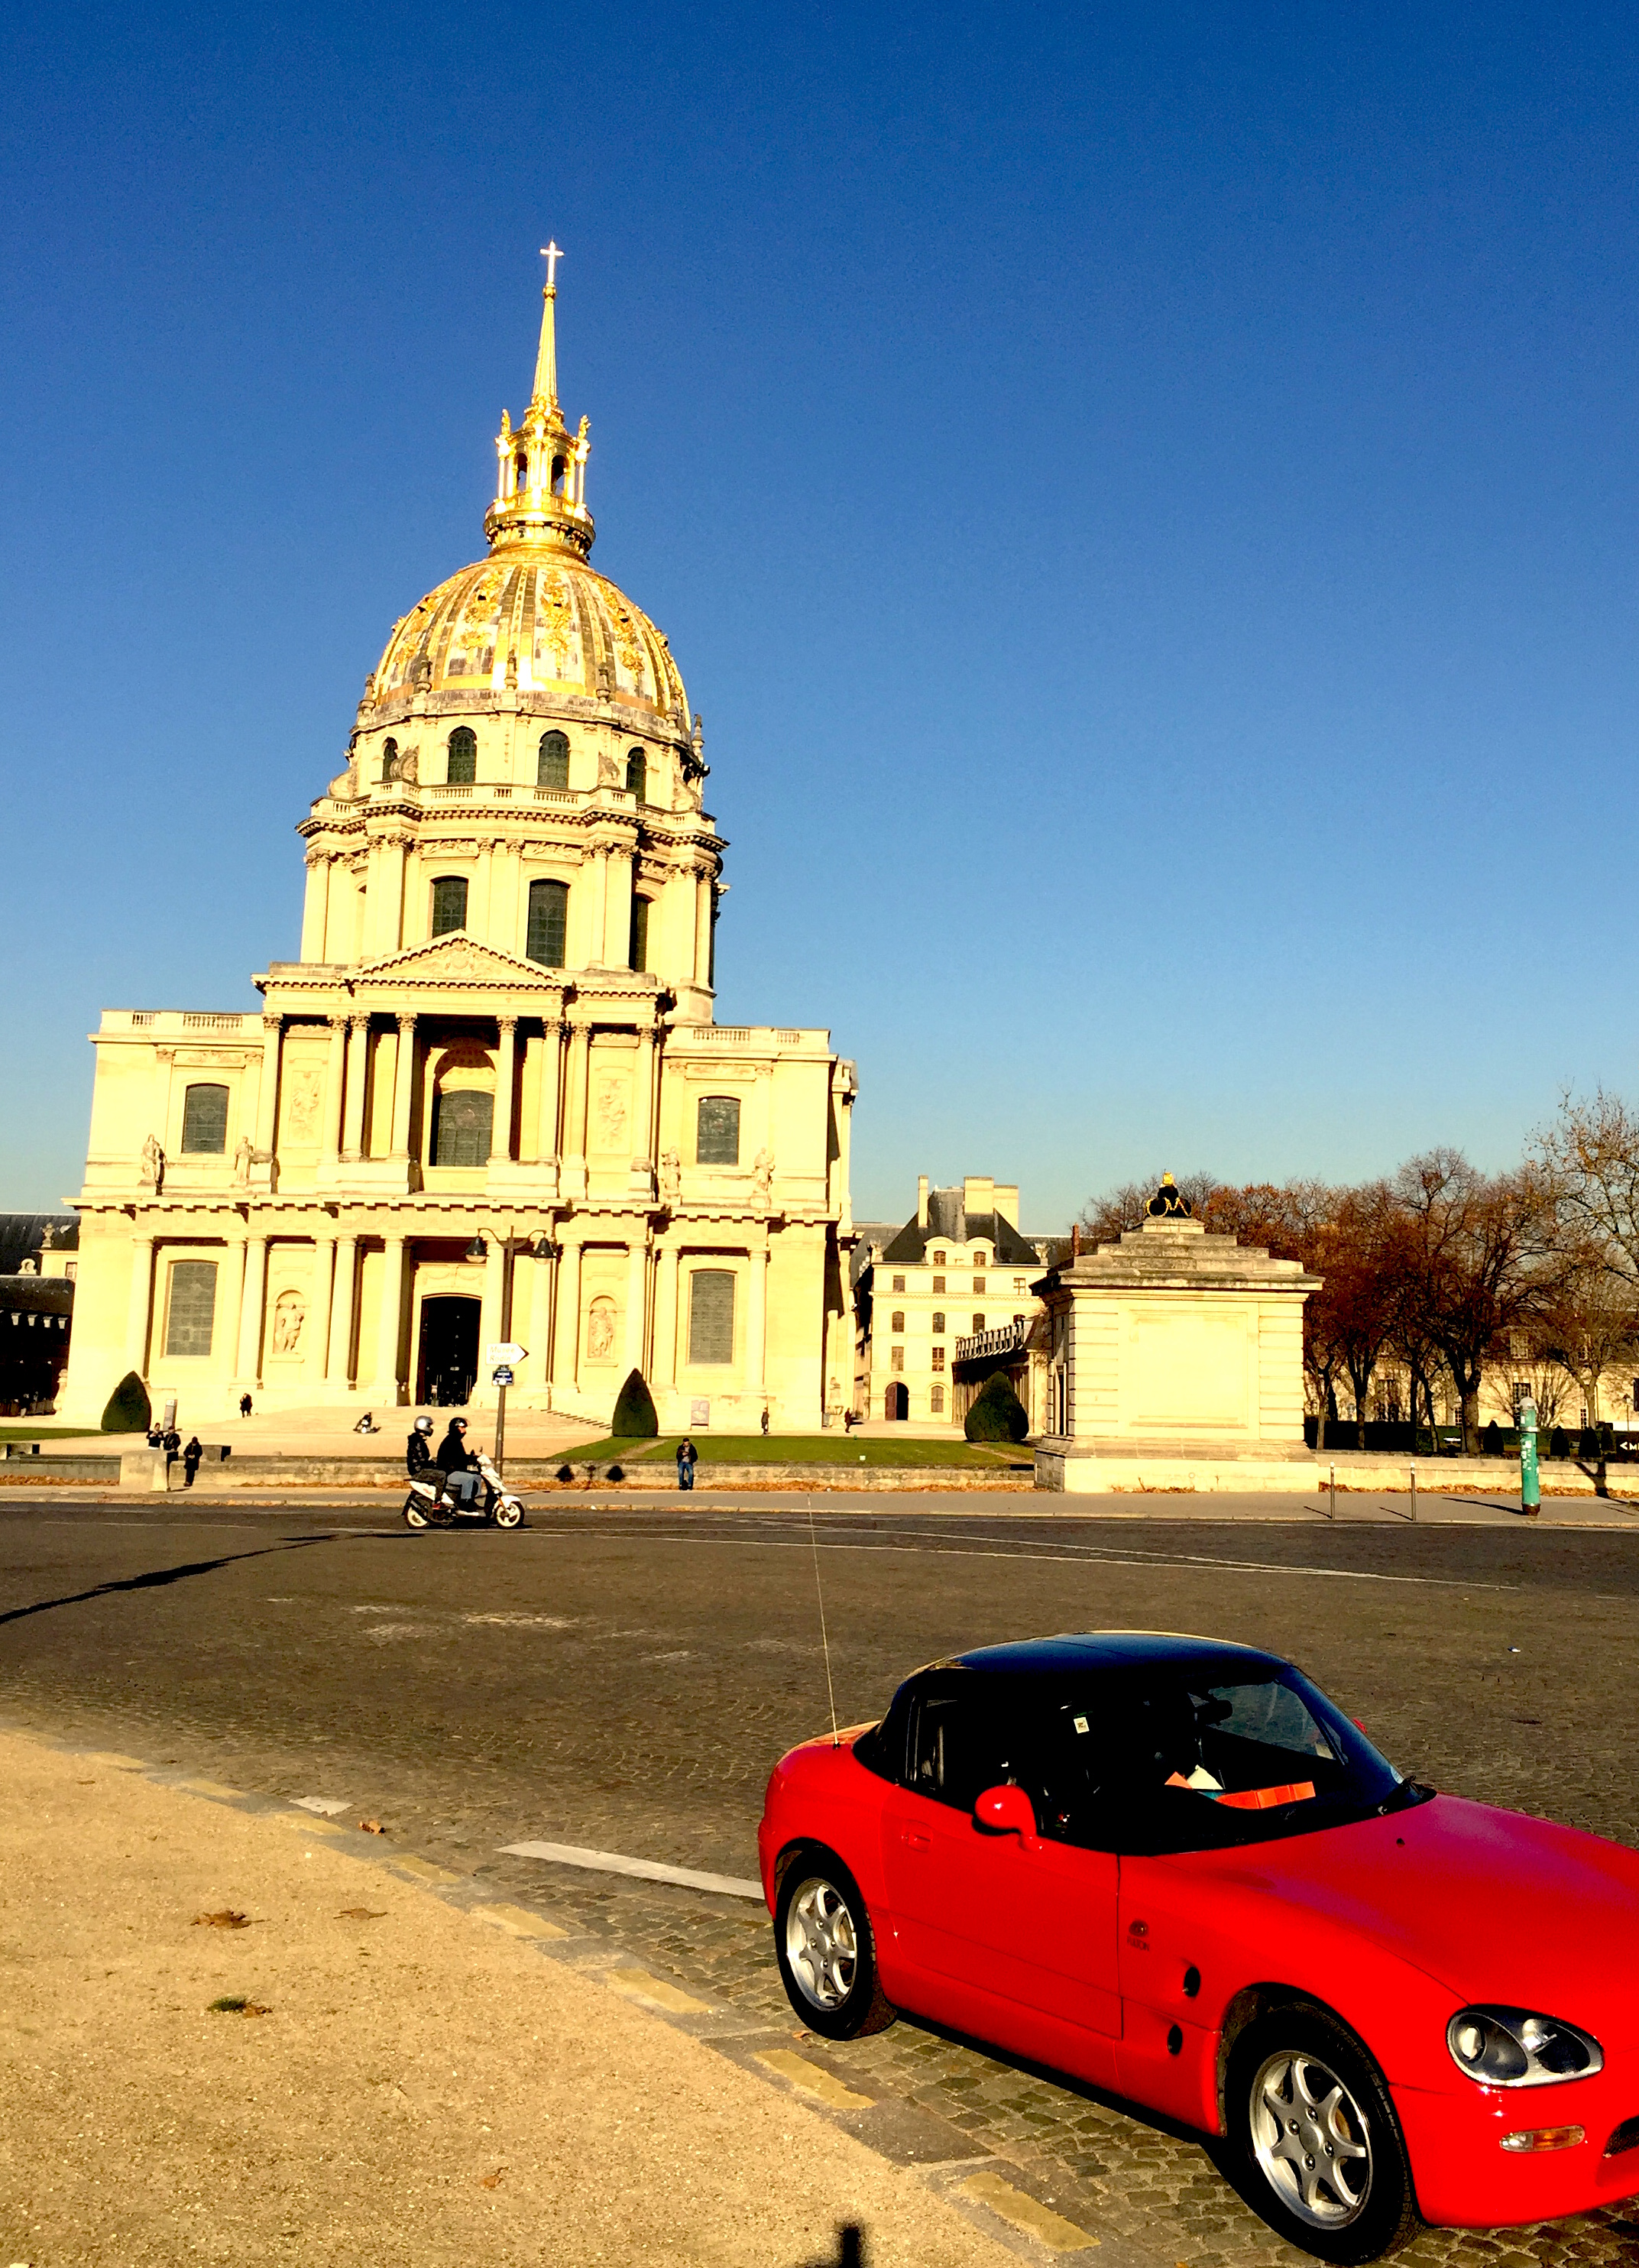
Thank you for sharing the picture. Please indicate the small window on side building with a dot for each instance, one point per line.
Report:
(938, 1322)
(978, 1324)
(936, 1400)
(896, 1321)
(939, 1283)
(898, 1284)
(938, 1358)
(979, 1283)
(896, 1359)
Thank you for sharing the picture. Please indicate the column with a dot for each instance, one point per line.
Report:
(551, 1080)
(137, 1307)
(267, 1093)
(339, 1363)
(319, 1308)
(492, 1319)
(335, 1083)
(574, 1096)
(165, 1059)
(636, 1299)
(505, 1076)
(544, 1274)
(403, 1088)
(315, 904)
(598, 942)
(384, 908)
(478, 921)
(643, 1100)
(667, 1279)
(505, 929)
(255, 1295)
(566, 1341)
(702, 924)
(358, 1073)
(757, 1321)
(618, 865)
(230, 1306)
(390, 1323)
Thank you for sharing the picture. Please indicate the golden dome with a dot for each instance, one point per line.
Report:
(537, 617)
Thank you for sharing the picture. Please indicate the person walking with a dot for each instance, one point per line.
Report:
(765, 1424)
(191, 1456)
(245, 1405)
(171, 1442)
(687, 1458)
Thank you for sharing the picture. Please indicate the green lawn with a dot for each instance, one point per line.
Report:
(19, 1429)
(802, 1449)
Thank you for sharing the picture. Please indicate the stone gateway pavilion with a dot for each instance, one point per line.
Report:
(489, 1101)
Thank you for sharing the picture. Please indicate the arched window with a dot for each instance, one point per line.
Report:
(558, 469)
(193, 1306)
(461, 1124)
(549, 923)
(205, 1121)
(637, 957)
(716, 1131)
(637, 774)
(463, 757)
(938, 1260)
(897, 1321)
(520, 473)
(389, 761)
(711, 1315)
(938, 1324)
(552, 764)
(449, 903)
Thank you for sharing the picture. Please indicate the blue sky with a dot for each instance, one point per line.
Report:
(1145, 500)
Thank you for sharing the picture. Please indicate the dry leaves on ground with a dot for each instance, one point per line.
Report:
(491, 2181)
(235, 2004)
(370, 1827)
(361, 1914)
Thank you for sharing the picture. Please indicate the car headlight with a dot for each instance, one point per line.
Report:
(1514, 2047)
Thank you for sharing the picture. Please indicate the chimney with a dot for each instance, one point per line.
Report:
(922, 1201)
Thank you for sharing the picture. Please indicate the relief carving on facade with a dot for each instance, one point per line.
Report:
(600, 1331)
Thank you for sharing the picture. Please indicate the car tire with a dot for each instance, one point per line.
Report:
(825, 1948)
(1299, 2077)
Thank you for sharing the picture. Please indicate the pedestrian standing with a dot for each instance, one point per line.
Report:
(765, 1424)
(191, 1456)
(687, 1458)
(170, 1441)
(244, 1405)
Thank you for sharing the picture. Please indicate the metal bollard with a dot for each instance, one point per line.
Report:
(1414, 1495)
(1332, 1470)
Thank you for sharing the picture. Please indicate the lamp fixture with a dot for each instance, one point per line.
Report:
(477, 1249)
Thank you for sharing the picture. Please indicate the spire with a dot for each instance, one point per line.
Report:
(546, 359)
(540, 483)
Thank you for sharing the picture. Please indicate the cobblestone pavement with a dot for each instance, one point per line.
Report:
(623, 1679)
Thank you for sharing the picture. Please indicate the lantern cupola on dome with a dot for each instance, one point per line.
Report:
(540, 482)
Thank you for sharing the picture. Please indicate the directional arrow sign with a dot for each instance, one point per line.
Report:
(505, 1350)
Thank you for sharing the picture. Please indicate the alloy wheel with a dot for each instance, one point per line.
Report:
(822, 1943)
(1312, 2139)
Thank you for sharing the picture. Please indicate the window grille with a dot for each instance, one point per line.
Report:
(716, 1131)
(193, 1307)
(711, 1315)
(462, 1127)
(552, 763)
(449, 903)
(205, 1121)
(549, 923)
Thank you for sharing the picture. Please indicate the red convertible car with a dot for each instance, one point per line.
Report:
(1171, 1868)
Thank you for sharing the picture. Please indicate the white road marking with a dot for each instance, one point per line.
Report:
(326, 1805)
(648, 1870)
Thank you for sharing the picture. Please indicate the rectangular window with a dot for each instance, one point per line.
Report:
(711, 1315)
(638, 955)
(936, 1400)
(978, 1324)
(205, 1121)
(938, 1358)
(549, 923)
(896, 1359)
(1018, 1282)
(449, 903)
(193, 1306)
(462, 1127)
(939, 1283)
(979, 1283)
(716, 1131)
(899, 1284)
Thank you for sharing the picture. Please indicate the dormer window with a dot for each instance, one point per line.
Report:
(938, 1260)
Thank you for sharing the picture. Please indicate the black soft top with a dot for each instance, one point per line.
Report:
(1074, 1652)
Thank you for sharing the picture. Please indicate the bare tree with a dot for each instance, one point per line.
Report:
(1590, 1322)
(1593, 1154)
(1103, 1219)
(1356, 1254)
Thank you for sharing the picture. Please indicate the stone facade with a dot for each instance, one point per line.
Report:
(1171, 1344)
(491, 1100)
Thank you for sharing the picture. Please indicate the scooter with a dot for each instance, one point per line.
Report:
(480, 1498)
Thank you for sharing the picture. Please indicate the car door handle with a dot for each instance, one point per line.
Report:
(915, 1839)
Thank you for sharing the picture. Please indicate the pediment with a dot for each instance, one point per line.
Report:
(458, 962)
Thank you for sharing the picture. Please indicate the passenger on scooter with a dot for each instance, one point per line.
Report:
(417, 1449)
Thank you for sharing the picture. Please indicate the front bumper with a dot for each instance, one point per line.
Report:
(1465, 2179)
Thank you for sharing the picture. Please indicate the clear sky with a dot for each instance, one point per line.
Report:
(1145, 499)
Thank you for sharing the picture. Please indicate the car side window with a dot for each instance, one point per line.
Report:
(960, 1745)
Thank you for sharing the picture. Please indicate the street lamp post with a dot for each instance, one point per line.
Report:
(542, 1247)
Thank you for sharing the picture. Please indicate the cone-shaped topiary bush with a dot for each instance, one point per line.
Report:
(128, 1409)
(634, 1419)
(997, 1414)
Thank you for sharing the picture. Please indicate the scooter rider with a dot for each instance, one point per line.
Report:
(456, 1462)
(417, 1449)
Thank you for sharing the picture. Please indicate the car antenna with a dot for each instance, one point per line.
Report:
(813, 1540)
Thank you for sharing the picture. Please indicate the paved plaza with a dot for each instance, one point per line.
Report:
(620, 1679)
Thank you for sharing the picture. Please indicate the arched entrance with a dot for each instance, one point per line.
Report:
(896, 1402)
(447, 1364)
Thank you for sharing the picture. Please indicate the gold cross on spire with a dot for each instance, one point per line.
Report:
(551, 255)
(547, 360)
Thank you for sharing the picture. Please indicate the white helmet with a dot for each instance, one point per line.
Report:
(424, 1425)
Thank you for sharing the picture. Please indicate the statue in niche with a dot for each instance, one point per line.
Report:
(600, 1331)
(243, 1158)
(762, 1176)
(289, 1315)
(671, 1177)
(151, 1175)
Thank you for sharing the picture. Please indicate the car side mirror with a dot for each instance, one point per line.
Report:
(1006, 1811)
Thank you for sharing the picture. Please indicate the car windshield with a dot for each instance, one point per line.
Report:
(1168, 1760)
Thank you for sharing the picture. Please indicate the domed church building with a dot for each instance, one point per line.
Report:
(489, 1102)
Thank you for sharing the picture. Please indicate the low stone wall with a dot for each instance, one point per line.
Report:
(1161, 1473)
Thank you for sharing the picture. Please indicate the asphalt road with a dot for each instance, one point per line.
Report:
(623, 1679)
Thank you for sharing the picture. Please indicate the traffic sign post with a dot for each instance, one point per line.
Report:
(1530, 1483)
(501, 1378)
